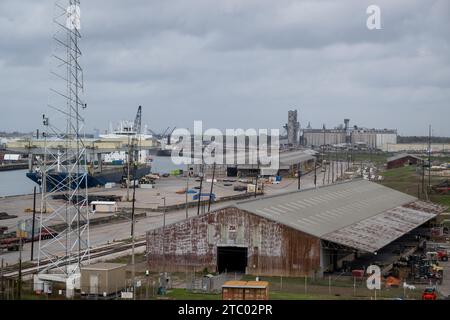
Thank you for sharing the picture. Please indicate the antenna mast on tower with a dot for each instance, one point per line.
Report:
(66, 171)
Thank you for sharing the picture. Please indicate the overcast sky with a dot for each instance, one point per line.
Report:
(237, 63)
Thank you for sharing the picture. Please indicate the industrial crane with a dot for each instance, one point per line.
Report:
(133, 151)
(138, 121)
(137, 137)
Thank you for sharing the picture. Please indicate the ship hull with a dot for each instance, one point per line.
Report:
(93, 180)
(160, 152)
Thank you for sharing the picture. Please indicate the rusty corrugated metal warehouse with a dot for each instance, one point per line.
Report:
(291, 234)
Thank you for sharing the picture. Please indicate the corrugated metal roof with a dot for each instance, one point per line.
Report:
(402, 155)
(352, 213)
(294, 157)
(286, 159)
(234, 284)
(376, 232)
(323, 210)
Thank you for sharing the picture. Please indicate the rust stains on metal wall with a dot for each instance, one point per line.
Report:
(273, 248)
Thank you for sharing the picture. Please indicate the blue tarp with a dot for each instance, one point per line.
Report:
(213, 196)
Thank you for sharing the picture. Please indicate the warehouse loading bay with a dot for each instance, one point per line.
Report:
(411, 262)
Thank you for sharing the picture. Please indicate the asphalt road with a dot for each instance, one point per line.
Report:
(103, 234)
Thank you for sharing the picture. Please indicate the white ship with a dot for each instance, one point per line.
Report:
(125, 131)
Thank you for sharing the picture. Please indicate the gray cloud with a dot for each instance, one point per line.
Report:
(237, 63)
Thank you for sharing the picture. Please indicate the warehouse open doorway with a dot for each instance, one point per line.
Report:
(232, 172)
(231, 259)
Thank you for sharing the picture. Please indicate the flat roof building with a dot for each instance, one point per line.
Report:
(356, 136)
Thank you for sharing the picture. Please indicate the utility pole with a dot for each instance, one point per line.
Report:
(187, 189)
(337, 163)
(200, 192)
(33, 223)
(429, 157)
(164, 232)
(351, 156)
(212, 185)
(423, 177)
(315, 173)
(19, 284)
(348, 160)
(128, 168)
(44, 173)
(164, 212)
(332, 168)
(2, 285)
(132, 231)
(256, 182)
(329, 168)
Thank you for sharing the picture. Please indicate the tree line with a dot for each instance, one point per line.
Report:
(422, 139)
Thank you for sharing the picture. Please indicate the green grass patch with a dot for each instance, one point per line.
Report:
(276, 282)
(183, 294)
(277, 295)
(409, 180)
(441, 199)
(378, 159)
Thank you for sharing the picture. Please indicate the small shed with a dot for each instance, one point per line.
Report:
(104, 206)
(103, 278)
(256, 290)
(245, 290)
(402, 160)
(233, 290)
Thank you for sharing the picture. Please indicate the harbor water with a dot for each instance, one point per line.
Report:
(15, 182)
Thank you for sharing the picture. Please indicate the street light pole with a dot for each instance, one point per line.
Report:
(19, 284)
(164, 231)
(212, 186)
(132, 230)
(429, 157)
(187, 189)
(33, 223)
(200, 193)
(164, 213)
(256, 182)
(315, 173)
(128, 169)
